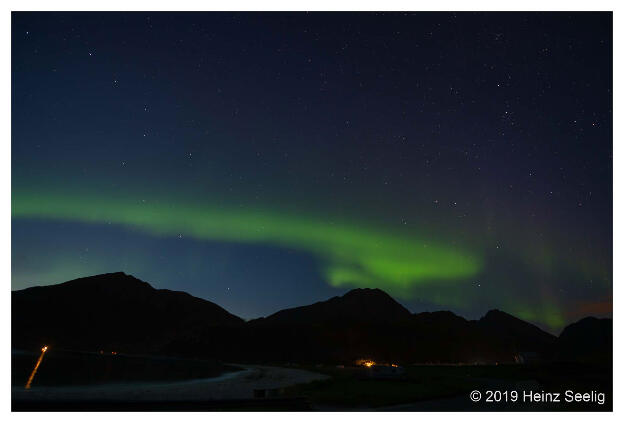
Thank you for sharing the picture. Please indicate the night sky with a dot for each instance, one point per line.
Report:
(457, 161)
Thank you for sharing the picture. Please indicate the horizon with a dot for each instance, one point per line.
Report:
(247, 319)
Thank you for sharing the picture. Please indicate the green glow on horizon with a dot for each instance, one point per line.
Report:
(349, 254)
(549, 315)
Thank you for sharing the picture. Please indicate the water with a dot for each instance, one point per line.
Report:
(70, 368)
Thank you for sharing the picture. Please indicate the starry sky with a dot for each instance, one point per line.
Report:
(458, 161)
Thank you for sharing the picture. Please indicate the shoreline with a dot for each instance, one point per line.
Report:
(237, 385)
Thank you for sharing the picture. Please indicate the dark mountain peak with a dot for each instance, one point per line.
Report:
(589, 320)
(496, 314)
(589, 339)
(497, 319)
(105, 283)
(114, 310)
(371, 296)
(115, 284)
(370, 300)
(517, 334)
(366, 292)
(119, 277)
(588, 326)
(370, 305)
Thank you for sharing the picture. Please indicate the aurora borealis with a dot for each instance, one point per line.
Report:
(351, 255)
(263, 161)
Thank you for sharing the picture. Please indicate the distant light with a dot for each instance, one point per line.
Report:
(32, 375)
(365, 362)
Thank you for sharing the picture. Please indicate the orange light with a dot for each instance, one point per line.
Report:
(365, 362)
(395, 365)
(32, 375)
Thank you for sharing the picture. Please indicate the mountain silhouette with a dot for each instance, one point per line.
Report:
(444, 337)
(512, 335)
(113, 311)
(117, 312)
(362, 323)
(589, 339)
(361, 305)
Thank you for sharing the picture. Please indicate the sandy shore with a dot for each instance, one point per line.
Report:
(235, 385)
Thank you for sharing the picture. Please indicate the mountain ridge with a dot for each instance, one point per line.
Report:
(120, 311)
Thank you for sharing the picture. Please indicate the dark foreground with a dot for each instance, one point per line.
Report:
(332, 388)
(77, 368)
(74, 381)
(448, 388)
(275, 404)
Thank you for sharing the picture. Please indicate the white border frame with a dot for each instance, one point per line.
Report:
(282, 5)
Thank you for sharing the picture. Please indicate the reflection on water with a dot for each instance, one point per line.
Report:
(70, 368)
(32, 375)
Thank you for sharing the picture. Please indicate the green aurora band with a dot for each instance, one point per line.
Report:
(350, 254)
